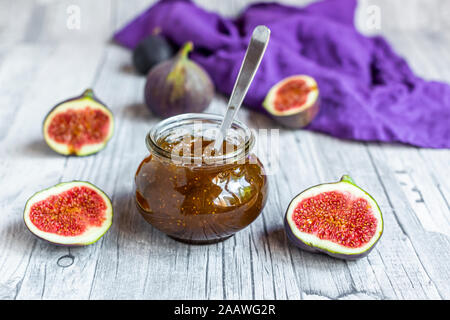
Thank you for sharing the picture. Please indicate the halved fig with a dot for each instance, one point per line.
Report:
(294, 101)
(74, 213)
(79, 126)
(339, 219)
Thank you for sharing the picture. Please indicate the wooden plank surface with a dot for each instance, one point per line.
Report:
(43, 62)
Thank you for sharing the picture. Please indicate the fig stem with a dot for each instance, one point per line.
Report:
(156, 31)
(187, 47)
(88, 93)
(182, 56)
(346, 178)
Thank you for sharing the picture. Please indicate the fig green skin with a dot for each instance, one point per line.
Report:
(177, 86)
(305, 246)
(87, 94)
(76, 244)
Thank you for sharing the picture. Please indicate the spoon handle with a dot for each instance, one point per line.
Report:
(252, 59)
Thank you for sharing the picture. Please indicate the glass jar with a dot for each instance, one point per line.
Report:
(199, 198)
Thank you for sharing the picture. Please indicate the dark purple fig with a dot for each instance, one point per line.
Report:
(177, 86)
(151, 51)
(294, 101)
(75, 213)
(339, 219)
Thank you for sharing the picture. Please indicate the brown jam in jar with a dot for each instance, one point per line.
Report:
(192, 194)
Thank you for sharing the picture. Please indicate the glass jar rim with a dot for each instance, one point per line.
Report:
(188, 118)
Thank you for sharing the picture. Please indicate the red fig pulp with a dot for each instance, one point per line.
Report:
(72, 213)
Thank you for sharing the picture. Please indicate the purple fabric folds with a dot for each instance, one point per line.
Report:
(367, 91)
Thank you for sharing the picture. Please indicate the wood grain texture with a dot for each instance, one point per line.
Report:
(42, 62)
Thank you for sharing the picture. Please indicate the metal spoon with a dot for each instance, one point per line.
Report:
(253, 56)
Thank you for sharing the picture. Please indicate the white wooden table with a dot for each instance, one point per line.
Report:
(43, 62)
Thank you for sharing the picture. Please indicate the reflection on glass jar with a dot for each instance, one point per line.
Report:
(199, 197)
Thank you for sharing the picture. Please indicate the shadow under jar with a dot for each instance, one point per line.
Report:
(193, 193)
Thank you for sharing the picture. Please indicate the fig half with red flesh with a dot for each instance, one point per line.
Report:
(339, 219)
(294, 101)
(74, 213)
(79, 126)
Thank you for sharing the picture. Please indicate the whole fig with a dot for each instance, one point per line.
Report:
(177, 86)
(151, 51)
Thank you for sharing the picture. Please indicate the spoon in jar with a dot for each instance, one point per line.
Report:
(252, 59)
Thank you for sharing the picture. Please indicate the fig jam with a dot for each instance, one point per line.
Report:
(199, 201)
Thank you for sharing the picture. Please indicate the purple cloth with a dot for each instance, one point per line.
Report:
(367, 91)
